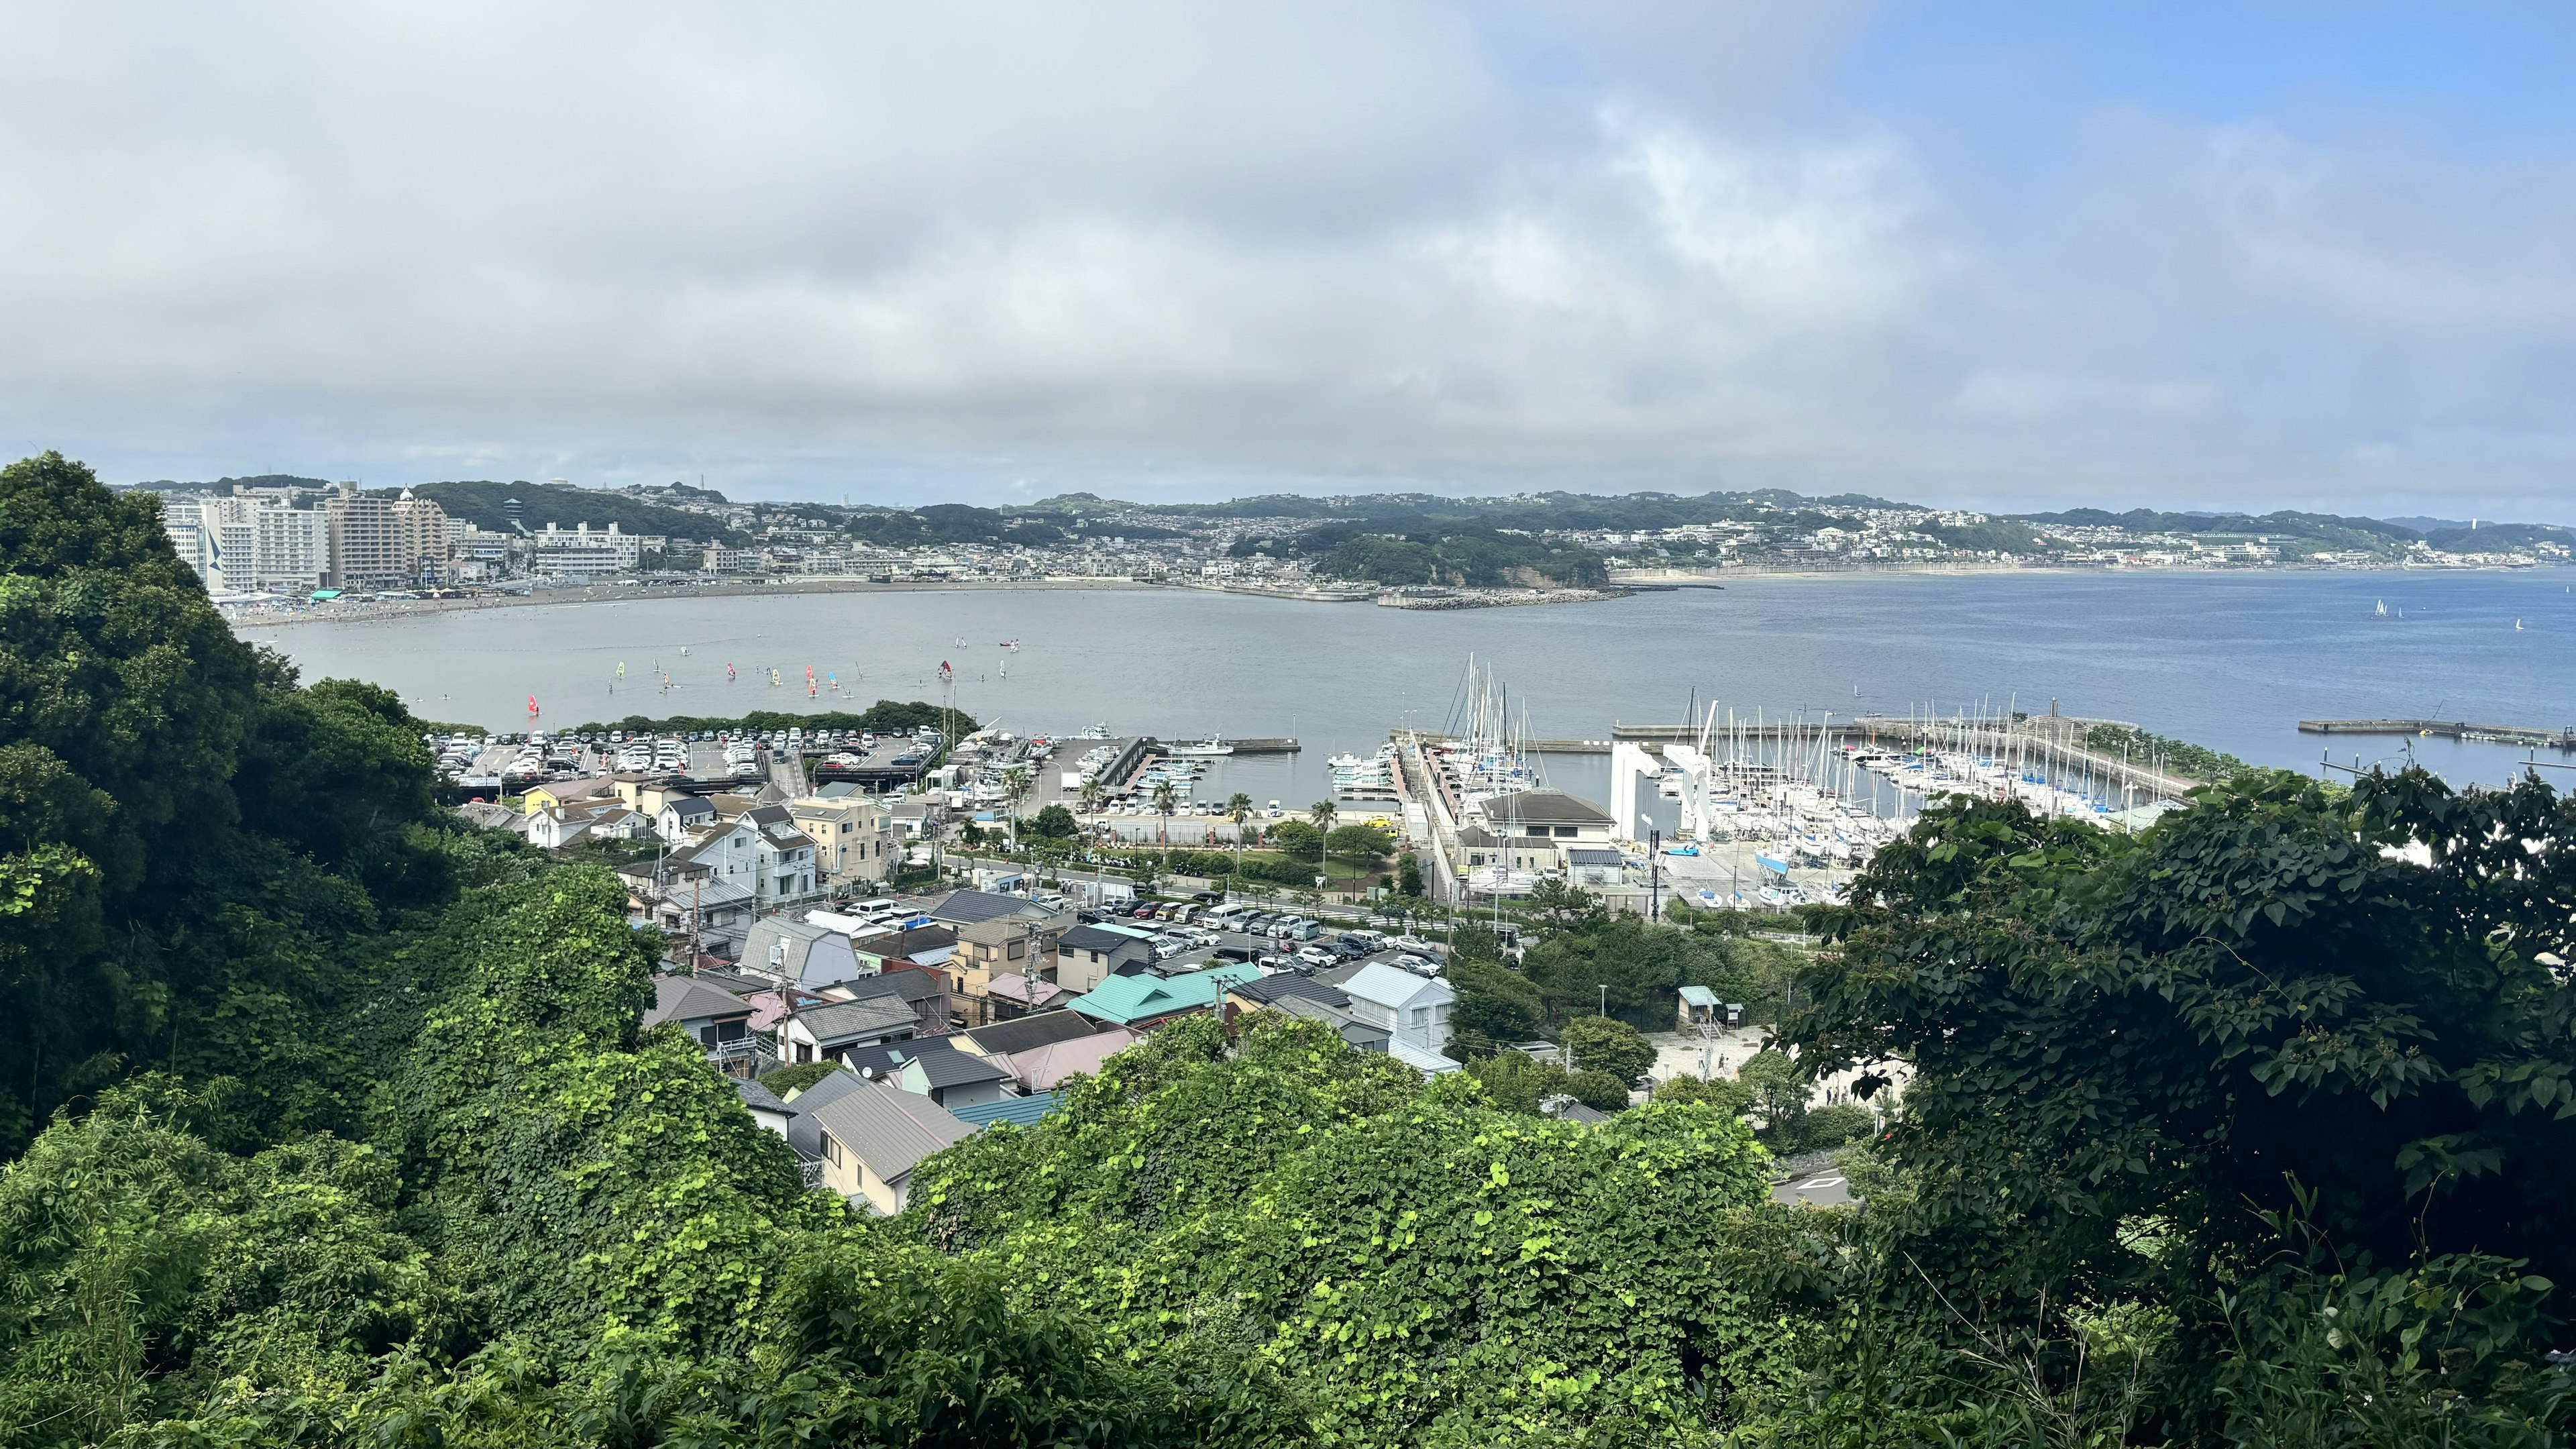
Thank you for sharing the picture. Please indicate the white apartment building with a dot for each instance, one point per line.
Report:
(553, 553)
(249, 542)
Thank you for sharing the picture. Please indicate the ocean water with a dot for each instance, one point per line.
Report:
(2231, 660)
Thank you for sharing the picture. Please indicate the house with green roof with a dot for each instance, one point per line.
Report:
(1145, 1001)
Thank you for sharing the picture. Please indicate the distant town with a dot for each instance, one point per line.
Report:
(287, 540)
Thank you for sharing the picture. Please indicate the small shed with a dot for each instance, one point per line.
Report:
(1700, 1007)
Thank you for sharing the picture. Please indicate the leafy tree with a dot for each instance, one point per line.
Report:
(797, 1076)
(1606, 1044)
(1053, 822)
(1734, 1098)
(1516, 1081)
(2290, 1027)
(1496, 1007)
(1360, 845)
(1599, 1090)
(1298, 841)
(1563, 905)
(1408, 875)
(1642, 962)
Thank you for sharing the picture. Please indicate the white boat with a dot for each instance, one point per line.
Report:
(1208, 748)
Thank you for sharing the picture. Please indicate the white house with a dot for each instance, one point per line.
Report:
(784, 855)
(1414, 1011)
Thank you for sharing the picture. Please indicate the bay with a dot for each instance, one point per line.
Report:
(2231, 660)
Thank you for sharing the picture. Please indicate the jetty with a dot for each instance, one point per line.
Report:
(2561, 740)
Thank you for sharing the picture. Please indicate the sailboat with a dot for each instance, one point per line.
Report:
(2517, 626)
(2383, 608)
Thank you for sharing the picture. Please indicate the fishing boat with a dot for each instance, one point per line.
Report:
(1210, 747)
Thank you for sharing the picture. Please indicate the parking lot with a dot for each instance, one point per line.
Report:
(1188, 944)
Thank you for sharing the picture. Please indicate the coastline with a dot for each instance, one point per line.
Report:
(636, 593)
(1635, 583)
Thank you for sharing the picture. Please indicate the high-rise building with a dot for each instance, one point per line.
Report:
(384, 543)
(249, 541)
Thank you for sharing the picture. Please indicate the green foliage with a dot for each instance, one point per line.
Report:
(205, 858)
(1496, 1008)
(481, 504)
(1599, 1090)
(2289, 1036)
(1644, 964)
(1417, 1265)
(139, 1268)
(1360, 845)
(885, 717)
(797, 1076)
(2180, 757)
(1734, 1098)
(1515, 1081)
(1298, 841)
(1408, 875)
(1429, 552)
(1053, 822)
(1563, 906)
(1607, 1044)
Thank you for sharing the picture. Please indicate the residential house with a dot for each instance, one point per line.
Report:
(1042, 1069)
(764, 1106)
(705, 888)
(935, 1069)
(854, 838)
(921, 991)
(798, 954)
(646, 794)
(559, 793)
(1012, 995)
(1002, 1038)
(1143, 1002)
(930, 945)
(1002, 946)
(1292, 995)
(963, 908)
(803, 1137)
(1015, 1111)
(873, 1135)
(561, 825)
(717, 1020)
(682, 816)
(1092, 953)
(831, 1031)
(785, 865)
(1413, 1009)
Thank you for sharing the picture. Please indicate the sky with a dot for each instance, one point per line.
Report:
(1986, 255)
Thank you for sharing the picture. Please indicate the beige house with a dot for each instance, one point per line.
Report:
(854, 837)
(873, 1135)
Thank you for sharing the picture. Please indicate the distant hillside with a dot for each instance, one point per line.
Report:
(225, 485)
(480, 503)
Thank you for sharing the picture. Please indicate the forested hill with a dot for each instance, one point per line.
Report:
(485, 505)
(329, 1122)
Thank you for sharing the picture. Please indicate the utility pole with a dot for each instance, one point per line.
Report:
(1654, 871)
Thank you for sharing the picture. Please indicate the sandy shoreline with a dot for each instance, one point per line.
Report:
(633, 593)
(829, 584)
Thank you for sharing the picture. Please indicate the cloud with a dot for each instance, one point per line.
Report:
(981, 251)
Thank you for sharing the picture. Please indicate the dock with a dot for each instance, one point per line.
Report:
(2561, 740)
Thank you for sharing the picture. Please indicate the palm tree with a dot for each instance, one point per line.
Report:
(1166, 800)
(1238, 808)
(1322, 814)
(1091, 797)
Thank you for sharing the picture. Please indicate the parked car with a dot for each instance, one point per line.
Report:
(1350, 950)
(1317, 956)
